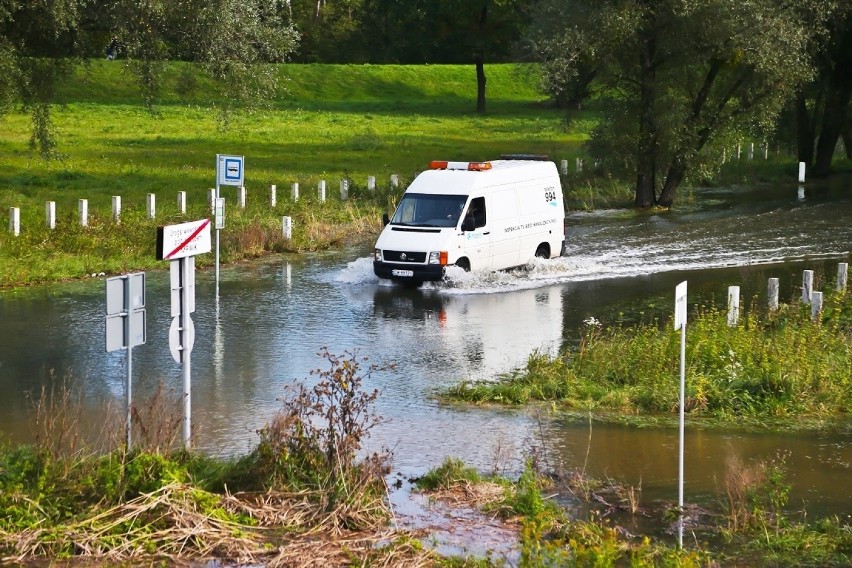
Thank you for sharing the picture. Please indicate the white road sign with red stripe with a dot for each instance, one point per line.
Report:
(185, 239)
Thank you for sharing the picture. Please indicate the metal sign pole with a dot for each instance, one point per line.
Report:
(127, 385)
(125, 328)
(680, 323)
(681, 426)
(186, 265)
(218, 165)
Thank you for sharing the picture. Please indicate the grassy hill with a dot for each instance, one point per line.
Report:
(332, 121)
(328, 122)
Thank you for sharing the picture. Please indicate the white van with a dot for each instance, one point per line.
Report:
(476, 215)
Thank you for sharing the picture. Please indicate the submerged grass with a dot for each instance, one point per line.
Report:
(752, 526)
(772, 368)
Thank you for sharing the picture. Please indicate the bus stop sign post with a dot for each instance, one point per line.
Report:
(229, 171)
(125, 327)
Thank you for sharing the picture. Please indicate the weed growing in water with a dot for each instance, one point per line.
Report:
(314, 441)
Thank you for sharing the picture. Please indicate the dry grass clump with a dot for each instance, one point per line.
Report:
(180, 522)
(475, 495)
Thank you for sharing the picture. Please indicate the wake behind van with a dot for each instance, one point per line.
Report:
(476, 215)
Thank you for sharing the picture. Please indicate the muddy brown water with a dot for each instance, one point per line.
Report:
(271, 318)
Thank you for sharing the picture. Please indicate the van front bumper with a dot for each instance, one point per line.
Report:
(402, 272)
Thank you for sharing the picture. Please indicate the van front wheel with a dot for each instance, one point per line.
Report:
(543, 251)
(464, 264)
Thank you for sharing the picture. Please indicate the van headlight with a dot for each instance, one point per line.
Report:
(377, 254)
(438, 257)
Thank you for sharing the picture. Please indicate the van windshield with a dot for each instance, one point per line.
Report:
(429, 210)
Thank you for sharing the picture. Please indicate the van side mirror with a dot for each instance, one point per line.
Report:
(385, 219)
(468, 224)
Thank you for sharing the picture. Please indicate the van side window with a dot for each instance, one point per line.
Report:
(476, 212)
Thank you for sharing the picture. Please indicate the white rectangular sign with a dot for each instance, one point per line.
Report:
(220, 213)
(185, 239)
(229, 170)
(680, 305)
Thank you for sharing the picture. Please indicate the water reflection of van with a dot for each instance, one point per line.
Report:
(476, 215)
(480, 336)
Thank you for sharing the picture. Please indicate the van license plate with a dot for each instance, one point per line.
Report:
(397, 272)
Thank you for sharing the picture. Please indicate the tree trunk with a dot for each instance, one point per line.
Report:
(676, 175)
(839, 92)
(804, 132)
(833, 122)
(646, 152)
(847, 138)
(479, 58)
(480, 84)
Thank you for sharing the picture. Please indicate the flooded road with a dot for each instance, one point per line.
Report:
(271, 318)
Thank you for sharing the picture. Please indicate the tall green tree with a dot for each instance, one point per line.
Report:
(822, 107)
(37, 41)
(444, 31)
(330, 31)
(41, 41)
(683, 78)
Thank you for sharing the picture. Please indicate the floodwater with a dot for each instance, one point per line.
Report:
(264, 329)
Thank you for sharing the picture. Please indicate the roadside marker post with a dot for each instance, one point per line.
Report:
(125, 326)
(179, 244)
(680, 323)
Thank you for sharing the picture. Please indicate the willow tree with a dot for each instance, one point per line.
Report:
(41, 42)
(37, 40)
(681, 78)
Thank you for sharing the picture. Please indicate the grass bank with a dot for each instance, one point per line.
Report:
(302, 496)
(331, 122)
(750, 526)
(779, 368)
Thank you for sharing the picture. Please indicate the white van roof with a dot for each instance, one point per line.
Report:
(464, 182)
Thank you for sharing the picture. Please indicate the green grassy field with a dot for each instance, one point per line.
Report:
(330, 122)
(334, 121)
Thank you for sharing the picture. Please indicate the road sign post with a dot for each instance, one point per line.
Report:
(179, 244)
(125, 326)
(680, 323)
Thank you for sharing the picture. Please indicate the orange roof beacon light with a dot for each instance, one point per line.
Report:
(470, 166)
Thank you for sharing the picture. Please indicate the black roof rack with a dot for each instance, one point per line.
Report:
(536, 157)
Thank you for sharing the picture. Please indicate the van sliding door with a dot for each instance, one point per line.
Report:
(503, 212)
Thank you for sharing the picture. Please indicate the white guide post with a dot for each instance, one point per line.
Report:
(50, 214)
(83, 212)
(15, 220)
(807, 286)
(151, 205)
(772, 292)
(733, 305)
(287, 227)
